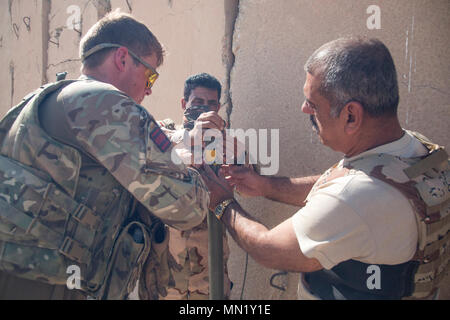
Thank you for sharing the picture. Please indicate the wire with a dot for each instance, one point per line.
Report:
(245, 276)
(272, 278)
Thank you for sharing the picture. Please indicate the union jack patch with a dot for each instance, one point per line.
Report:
(160, 139)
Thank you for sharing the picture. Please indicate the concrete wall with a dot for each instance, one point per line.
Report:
(257, 50)
(191, 32)
(23, 71)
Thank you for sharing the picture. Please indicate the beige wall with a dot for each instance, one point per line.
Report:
(191, 31)
(263, 70)
(23, 71)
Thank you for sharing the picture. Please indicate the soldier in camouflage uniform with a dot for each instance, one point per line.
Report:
(377, 224)
(189, 248)
(86, 178)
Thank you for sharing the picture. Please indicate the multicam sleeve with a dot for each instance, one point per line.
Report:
(124, 138)
(174, 133)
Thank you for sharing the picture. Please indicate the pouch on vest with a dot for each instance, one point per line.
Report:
(129, 256)
(156, 275)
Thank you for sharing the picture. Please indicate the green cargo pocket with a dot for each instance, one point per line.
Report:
(129, 255)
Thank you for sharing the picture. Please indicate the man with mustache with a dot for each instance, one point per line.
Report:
(375, 225)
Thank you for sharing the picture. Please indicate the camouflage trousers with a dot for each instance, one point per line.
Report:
(190, 271)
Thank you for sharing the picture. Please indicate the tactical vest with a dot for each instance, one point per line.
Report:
(424, 182)
(63, 218)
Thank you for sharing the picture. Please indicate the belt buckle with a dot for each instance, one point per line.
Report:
(72, 250)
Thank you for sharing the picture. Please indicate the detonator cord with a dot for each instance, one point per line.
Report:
(272, 278)
(245, 276)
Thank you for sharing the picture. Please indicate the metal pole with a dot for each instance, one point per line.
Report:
(215, 237)
(215, 257)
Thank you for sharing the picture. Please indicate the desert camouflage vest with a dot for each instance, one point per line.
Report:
(424, 182)
(61, 213)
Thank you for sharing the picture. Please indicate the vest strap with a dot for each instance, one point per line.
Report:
(422, 289)
(70, 248)
(435, 246)
(434, 161)
(26, 223)
(74, 250)
(80, 223)
(78, 211)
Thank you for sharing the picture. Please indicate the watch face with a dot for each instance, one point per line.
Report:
(219, 208)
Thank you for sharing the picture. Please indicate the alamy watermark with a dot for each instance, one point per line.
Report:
(374, 281)
(236, 150)
(374, 20)
(74, 280)
(74, 20)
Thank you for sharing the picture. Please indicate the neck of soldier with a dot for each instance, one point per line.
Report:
(374, 133)
(102, 73)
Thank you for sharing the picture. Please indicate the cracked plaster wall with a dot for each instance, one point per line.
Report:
(191, 31)
(20, 50)
(257, 50)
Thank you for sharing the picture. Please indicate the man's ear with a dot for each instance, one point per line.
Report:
(183, 104)
(353, 115)
(120, 58)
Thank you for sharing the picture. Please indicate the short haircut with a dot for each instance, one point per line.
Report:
(122, 29)
(356, 69)
(201, 80)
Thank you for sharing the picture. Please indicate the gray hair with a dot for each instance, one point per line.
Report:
(359, 70)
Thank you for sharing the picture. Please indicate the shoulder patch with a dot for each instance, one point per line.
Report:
(159, 138)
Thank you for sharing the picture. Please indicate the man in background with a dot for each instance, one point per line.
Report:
(189, 248)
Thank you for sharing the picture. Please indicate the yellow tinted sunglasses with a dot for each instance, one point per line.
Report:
(150, 73)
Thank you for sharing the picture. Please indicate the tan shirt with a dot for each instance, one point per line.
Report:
(358, 217)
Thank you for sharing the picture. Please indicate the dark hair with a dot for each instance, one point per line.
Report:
(122, 29)
(356, 69)
(201, 80)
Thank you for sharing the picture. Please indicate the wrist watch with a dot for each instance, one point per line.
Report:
(221, 207)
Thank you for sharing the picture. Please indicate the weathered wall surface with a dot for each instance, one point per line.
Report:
(40, 38)
(257, 50)
(21, 28)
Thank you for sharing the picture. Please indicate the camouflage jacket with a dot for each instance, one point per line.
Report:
(70, 199)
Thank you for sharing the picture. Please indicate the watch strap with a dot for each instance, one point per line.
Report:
(221, 207)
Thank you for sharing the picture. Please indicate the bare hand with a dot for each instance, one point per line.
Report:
(207, 120)
(219, 189)
(246, 181)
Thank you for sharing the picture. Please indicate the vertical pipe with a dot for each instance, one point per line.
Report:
(215, 227)
(46, 9)
(215, 257)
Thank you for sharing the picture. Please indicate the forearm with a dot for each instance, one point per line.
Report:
(245, 230)
(289, 190)
(276, 248)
